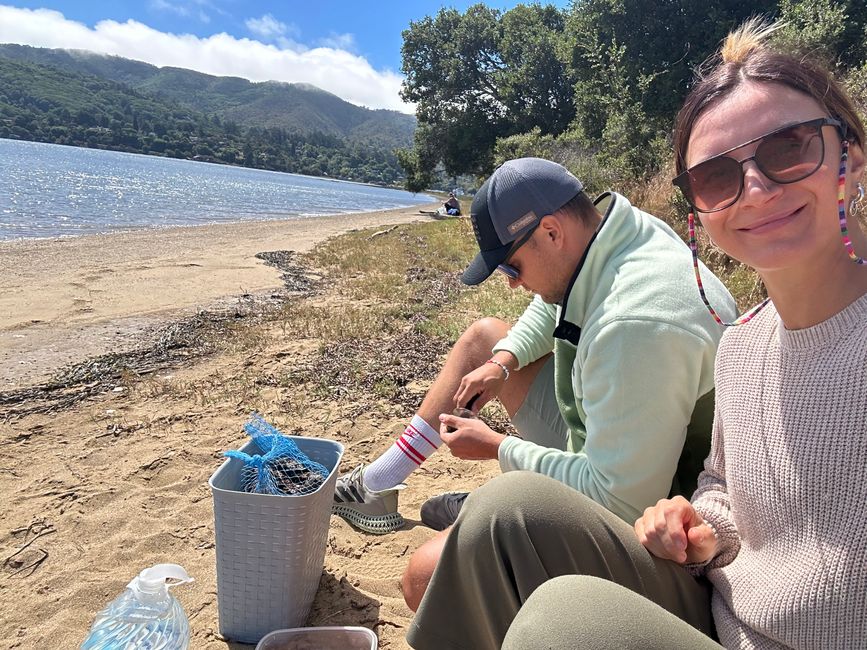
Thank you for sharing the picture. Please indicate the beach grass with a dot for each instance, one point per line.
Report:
(409, 278)
(387, 308)
(352, 296)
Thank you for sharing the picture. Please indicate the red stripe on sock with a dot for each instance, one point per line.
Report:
(407, 440)
(416, 431)
(409, 451)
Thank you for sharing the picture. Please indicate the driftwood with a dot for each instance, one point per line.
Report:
(32, 563)
(381, 232)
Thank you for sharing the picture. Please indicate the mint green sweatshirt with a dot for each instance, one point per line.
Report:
(644, 360)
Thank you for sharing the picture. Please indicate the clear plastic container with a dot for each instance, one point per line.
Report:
(145, 616)
(320, 638)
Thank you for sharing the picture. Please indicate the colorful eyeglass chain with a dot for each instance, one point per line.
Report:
(841, 206)
(693, 246)
(844, 229)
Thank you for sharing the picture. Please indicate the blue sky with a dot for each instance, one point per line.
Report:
(349, 48)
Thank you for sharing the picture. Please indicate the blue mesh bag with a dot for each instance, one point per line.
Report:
(282, 468)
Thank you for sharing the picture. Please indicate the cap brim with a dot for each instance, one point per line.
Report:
(484, 264)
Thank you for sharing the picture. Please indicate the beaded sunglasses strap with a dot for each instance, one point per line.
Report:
(844, 230)
(841, 206)
(693, 247)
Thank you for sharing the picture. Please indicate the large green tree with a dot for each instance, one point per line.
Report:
(596, 86)
(633, 62)
(646, 50)
(482, 75)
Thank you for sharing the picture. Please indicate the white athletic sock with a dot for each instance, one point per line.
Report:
(418, 441)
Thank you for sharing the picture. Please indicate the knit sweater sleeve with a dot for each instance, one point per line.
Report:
(711, 501)
(532, 336)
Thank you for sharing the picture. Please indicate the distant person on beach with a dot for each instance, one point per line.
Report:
(452, 206)
(771, 552)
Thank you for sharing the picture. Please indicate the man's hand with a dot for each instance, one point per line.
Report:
(486, 381)
(673, 530)
(471, 440)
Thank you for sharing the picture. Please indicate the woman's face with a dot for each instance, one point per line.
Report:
(772, 226)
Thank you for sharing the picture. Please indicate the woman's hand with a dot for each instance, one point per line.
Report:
(486, 381)
(673, 530)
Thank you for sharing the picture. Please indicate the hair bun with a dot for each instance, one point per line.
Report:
(749, 37)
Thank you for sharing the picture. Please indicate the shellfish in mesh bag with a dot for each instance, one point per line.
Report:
(282, 468)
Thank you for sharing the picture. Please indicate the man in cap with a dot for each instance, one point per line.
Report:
(607, 376)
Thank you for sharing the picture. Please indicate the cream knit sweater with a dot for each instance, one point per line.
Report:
(786, 484)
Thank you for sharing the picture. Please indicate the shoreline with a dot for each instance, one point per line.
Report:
(205, 224)
(63, 300)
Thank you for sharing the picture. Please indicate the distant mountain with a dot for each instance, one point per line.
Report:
(105, 102)
(301, 108)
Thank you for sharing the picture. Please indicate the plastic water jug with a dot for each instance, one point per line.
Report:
(145, 616)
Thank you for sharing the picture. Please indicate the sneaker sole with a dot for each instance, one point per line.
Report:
(376, 524)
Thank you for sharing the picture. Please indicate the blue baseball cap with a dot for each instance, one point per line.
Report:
(510, 203)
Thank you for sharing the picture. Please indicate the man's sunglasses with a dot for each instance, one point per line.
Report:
(787, 155)
(507, 269)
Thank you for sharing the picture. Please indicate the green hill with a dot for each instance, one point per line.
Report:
(84, 99)
(295, 107)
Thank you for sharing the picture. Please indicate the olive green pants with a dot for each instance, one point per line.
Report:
(519, 531)
(596, 614)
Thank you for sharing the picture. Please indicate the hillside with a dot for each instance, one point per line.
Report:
(300, 108)
(144, 114)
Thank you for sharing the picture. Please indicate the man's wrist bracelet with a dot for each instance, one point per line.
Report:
(502, 367)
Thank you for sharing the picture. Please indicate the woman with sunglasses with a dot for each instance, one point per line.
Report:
(769, 153)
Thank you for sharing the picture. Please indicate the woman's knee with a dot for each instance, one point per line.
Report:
(558, 613)
(589, 612)
(523, 497)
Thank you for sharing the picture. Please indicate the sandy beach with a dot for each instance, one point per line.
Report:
(97, 491)
(62, 300)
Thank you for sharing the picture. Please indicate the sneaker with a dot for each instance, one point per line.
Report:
(372, 512)
(441, 511)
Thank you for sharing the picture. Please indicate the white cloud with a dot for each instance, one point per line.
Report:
(269, 29)
(336, 70)
(162, 5)
(185, 9)
(339, 41)
(267, 26)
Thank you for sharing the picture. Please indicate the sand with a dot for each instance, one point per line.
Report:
(94, 493)
(62, 300)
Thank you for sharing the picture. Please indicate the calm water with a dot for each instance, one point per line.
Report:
(48, 190)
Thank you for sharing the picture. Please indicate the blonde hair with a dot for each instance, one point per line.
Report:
(740, 43)
(747, 56)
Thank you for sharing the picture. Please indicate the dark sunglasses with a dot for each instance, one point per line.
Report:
(787, 155)
(507, 269)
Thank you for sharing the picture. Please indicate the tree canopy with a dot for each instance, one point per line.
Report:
(484, 75)
(599, 82)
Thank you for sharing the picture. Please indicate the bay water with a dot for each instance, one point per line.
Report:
(49, 190)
